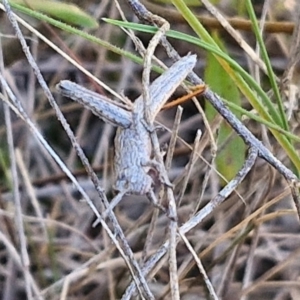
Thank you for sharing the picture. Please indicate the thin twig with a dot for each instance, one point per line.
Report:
(30, 190)
(163, 27)
(235, 34)
(18, 215)
(202, 271)
(189, 167)
(174, 135)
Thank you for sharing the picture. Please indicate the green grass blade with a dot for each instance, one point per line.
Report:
(231, 147)
(266, 59)
(65, 12)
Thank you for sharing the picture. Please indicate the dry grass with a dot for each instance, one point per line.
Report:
(249, 245)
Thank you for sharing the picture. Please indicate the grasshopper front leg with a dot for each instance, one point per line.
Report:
(101, 106)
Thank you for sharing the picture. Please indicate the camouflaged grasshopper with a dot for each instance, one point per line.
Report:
(133, 148)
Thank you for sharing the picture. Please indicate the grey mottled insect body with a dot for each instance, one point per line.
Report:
(133, 164)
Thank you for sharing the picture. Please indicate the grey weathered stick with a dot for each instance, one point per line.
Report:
(148, 106)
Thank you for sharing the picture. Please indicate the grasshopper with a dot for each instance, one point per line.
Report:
(133, 148)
